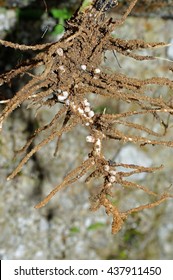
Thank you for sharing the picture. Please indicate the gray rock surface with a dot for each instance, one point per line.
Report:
(159, 8)
(130, 154)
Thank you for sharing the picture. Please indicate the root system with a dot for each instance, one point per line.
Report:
(70, 73)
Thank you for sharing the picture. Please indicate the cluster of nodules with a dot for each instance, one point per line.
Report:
(63, 95)
(96, 70)
(96, 141)
(111, 174)
(84, 109)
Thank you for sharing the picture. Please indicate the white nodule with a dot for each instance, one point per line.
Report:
(97, 71)
(87, 109)
(90, 139)
(91, 114)
(106, 167)
(112, 179)
(86, 103)
(83, 67)
(61, 97)
(65, 94)
(81, 111)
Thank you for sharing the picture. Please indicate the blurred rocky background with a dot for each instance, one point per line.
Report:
(65, 228)
(161, 8)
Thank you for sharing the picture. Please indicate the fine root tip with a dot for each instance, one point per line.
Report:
(39, 205)
(11, 176)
